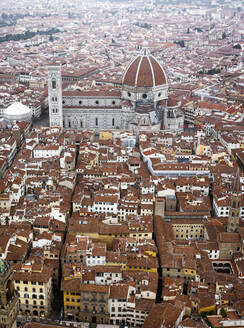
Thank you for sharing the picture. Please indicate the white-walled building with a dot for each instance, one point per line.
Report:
(47, 151)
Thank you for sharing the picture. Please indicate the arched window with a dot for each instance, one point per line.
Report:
(96, 121)
(54, 84)
(112, 121)
(81, 124)
(34, 296)
(41, 297)
(69, 124)
(26, 295)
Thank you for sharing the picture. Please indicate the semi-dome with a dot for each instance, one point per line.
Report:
(17, 112)
(144, 71)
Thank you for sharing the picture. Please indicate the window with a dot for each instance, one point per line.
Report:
(96, 121)
(54, 85)
(113, 122)
(96, 102)
(113, 102)
(129, 94)
(144, 96)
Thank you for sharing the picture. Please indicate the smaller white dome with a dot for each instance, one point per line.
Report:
(17, 112)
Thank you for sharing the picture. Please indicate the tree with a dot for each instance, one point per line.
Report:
(223, 312)
(237, 46)
(224, 35)
(4, 16)
(213, 71)
(181, 43)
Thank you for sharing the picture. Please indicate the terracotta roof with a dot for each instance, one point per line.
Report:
(119, 292)
(229, 237)
(144, 71)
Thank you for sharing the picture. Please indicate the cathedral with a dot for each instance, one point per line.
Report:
(140, 104)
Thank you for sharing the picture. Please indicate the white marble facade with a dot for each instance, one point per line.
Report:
(139, 105)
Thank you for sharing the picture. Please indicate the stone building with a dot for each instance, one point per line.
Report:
(235, 203)
(140, 104)
(9, 304)
(229, 243)
(85, 302)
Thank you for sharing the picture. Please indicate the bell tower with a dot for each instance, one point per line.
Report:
(235, 202)
(55, 95)
(9, 302)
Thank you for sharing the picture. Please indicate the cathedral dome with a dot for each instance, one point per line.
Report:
(144, 72)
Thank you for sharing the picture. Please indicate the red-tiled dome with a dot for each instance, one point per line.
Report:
(144, 71)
